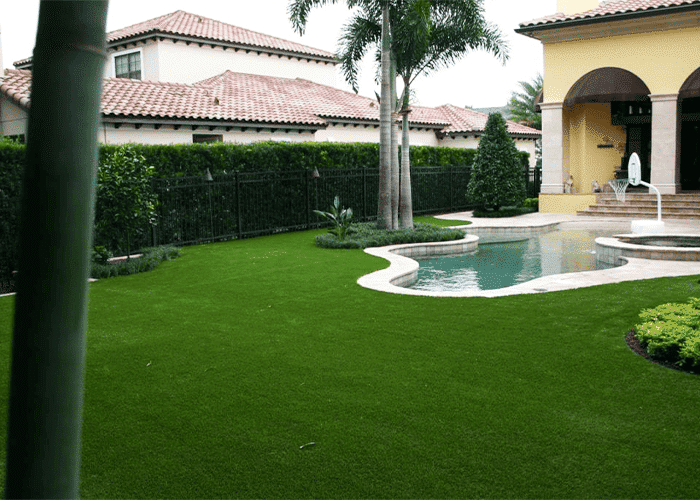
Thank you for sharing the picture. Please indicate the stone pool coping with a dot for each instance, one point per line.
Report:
(403, 270)
(611, 249)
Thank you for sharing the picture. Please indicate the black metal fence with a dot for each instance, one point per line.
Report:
(243, 204)
(9, 232)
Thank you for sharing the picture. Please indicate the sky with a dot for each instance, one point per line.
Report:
(478, 80)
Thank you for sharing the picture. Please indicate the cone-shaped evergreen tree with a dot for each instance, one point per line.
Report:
(497, 179)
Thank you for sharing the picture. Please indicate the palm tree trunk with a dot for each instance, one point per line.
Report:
(406, 200)
(394, 150)
(384, 213)
(48, 348)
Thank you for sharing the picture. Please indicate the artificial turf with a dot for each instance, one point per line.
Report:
(206, 376)
(441, 222)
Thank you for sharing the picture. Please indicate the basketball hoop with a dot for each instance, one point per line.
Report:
(619, 186)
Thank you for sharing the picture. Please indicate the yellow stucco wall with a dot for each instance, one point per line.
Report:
(662, 59)
(587, 127)
(565, 203)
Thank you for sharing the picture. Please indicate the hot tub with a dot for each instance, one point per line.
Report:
(679, 247)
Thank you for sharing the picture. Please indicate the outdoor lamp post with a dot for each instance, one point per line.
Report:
(315, 175)
(209, 179)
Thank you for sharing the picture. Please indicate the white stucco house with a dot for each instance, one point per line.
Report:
(183, 78)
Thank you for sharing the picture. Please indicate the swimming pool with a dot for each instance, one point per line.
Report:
(504, 261)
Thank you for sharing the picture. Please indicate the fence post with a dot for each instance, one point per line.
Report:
(238, 206)
(452, 204)
(526, 173)
(364, 193)
(307, 176)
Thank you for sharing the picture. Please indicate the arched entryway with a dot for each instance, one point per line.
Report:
(609, 111)
(689, 99)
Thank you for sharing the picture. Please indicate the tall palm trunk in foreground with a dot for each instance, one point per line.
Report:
(48, 348)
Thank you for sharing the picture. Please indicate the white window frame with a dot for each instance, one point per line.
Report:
(113, 66)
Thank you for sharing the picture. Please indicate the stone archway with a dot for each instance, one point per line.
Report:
(689, 99)
(607, 85)
(609, 118)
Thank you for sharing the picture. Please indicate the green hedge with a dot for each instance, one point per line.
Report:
(12, 160)
(195, 159)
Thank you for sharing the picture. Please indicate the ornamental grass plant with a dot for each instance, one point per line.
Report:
(210, 376)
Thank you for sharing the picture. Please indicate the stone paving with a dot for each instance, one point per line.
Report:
(402, 269)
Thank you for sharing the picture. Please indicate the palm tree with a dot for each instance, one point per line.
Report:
(298, 13)
(426, 36)
(522, 104)
(48, 347)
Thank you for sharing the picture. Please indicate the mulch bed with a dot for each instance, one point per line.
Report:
(636, 346)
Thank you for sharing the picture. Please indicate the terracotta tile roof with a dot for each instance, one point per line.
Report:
(468, 120)
(237, 97)
(611, 8)
(192, 25)
(267, 98)
(16, 84)
(256, 102)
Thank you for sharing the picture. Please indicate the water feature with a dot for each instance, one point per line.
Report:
(503, 261)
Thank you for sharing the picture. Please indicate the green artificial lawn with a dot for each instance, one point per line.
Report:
(441, 222)
(206, 376)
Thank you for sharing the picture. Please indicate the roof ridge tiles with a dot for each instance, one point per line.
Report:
(182, 23)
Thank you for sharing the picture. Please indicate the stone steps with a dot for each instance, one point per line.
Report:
(639, 205)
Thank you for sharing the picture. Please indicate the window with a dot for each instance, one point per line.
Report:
(207, 138)
(128, 66)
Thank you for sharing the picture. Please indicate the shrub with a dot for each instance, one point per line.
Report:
(151, 258)
(670, 333)
(125, 201)
(100, 255)
(367, 234)
(497, 176)
(504, 212)
(531, 203)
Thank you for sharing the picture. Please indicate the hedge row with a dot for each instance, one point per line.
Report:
(195, 159)
(12, 159)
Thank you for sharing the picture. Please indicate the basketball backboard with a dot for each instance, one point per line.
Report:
(634, 169)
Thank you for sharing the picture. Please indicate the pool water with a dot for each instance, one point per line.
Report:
(500, 262)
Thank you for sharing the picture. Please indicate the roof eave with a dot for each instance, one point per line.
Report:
(206, 122)
(572, 23)
(375, 121)
(518, 135)
(155, 33)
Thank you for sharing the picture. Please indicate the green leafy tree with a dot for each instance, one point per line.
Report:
(497, 177)
(522, 104)
(126, 203)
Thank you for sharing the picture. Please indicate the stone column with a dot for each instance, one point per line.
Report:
(552, 148)
(665, 143)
